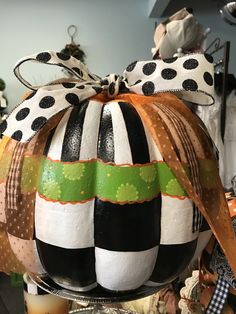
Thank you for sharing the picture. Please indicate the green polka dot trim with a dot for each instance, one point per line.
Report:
(80, 181)
(73, 171)
(148, 174)
(126, 192)
(51, 189)
(173, 186)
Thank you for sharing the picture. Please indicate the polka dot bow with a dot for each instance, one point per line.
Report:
(189, 77)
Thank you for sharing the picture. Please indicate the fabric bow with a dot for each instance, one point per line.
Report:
(189, 77)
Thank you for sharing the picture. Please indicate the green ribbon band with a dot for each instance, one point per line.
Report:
(80, 181)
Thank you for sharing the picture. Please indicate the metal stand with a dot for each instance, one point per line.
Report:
(96, 297)
(95, 309)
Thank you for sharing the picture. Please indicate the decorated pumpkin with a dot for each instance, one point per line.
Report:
(110, 177)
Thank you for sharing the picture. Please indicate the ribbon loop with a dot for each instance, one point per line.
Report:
(112, 84)
(75, 67)
(189, 77)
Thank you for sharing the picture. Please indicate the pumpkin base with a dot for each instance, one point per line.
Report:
(98, 295)
(74, 287)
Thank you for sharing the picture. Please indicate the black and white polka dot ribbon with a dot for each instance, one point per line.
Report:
(190, 77)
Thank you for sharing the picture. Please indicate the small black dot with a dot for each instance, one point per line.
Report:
(97, 89)
(73, 99)
(38, 123)
(170, 60)
(3, 126)
(148, 88)
(208, 78)
(190, 85)
(80, 87)
(168, 74)
(63, 56)
(17, 135)
(190, 64)
(149, 68)
(68, 85)
(131, 66)
(43, 56)
(208, 57)
(137, 82)
(47, 102)
(78, 71)
(22, 114)
(111, 88)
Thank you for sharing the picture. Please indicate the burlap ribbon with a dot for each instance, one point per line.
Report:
(167, 118)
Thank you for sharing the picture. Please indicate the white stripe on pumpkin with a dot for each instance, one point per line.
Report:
(58, 137)
(124, 270)
(176, 221)
(122, 149)
(69, 226)
(88, 148)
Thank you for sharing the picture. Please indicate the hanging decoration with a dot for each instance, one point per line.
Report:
(73, 49)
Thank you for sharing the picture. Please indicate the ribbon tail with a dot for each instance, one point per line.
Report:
(211, 201)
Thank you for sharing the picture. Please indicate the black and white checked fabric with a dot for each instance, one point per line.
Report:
(219, 297)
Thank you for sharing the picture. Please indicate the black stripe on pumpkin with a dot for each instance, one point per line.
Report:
(73, 267)
(136, 134)
(105, 148)
(172, 260)
(204, 225)
(73, 134)
(129, 227)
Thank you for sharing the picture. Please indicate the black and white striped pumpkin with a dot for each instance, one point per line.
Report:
(115, 170)
(109, 210)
